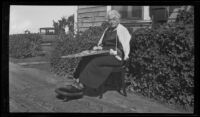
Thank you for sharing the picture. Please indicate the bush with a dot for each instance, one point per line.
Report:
(61, 48)
(24, 45)
(71, 45)
(162, 62)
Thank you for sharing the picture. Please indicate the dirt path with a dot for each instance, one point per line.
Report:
(32, 90)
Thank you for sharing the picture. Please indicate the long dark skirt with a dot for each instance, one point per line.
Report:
(92, 71)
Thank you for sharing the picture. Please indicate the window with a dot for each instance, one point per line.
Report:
(130, 12)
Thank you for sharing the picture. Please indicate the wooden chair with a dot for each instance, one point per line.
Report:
(121, 86)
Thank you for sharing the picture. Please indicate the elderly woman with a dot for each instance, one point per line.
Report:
(94, 70)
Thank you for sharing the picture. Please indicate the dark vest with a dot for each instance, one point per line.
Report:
(109, 41)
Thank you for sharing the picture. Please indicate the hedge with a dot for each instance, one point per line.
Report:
(24, 45)
(70, 45)
(162, 62)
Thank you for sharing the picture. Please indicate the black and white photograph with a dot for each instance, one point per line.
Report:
(101, 59)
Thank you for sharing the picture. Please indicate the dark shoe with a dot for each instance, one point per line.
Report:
(72, 89)
(69, 92)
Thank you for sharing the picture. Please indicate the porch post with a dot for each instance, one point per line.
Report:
(108, 8)
(146, 13)
(76, 28)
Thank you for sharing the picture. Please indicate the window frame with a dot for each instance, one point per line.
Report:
(129, 14)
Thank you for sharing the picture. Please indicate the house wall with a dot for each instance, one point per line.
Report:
(90, 16)
(95, 15)
(87, 16)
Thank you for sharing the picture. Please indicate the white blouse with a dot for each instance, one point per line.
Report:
(124, 38)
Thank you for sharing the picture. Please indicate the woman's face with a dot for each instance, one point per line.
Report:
(113, 21)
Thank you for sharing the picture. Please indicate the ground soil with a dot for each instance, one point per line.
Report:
(32, 90)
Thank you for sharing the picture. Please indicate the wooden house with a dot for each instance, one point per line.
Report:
(133, 17)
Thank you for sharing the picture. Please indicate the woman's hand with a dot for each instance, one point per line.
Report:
(97, 48)
(113, 52)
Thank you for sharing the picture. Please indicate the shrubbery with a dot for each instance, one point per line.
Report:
(162, 61)
(24, 45)
(70, 45)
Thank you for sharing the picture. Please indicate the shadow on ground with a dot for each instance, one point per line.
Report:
(88, 92)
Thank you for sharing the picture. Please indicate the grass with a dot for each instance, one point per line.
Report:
(32, 59)
(43, 67)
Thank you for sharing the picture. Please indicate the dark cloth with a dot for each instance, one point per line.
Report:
(98, 70)
(92, 71)
(109, 41)
(82, 64)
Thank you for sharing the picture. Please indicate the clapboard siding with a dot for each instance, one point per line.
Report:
(91, 14)
(92, 19)
(92, 9)
(88, 16)
(89, 24)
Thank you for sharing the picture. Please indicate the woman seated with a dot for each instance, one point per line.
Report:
(92, 71)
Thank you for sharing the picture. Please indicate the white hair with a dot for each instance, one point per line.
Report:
(113, 14)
